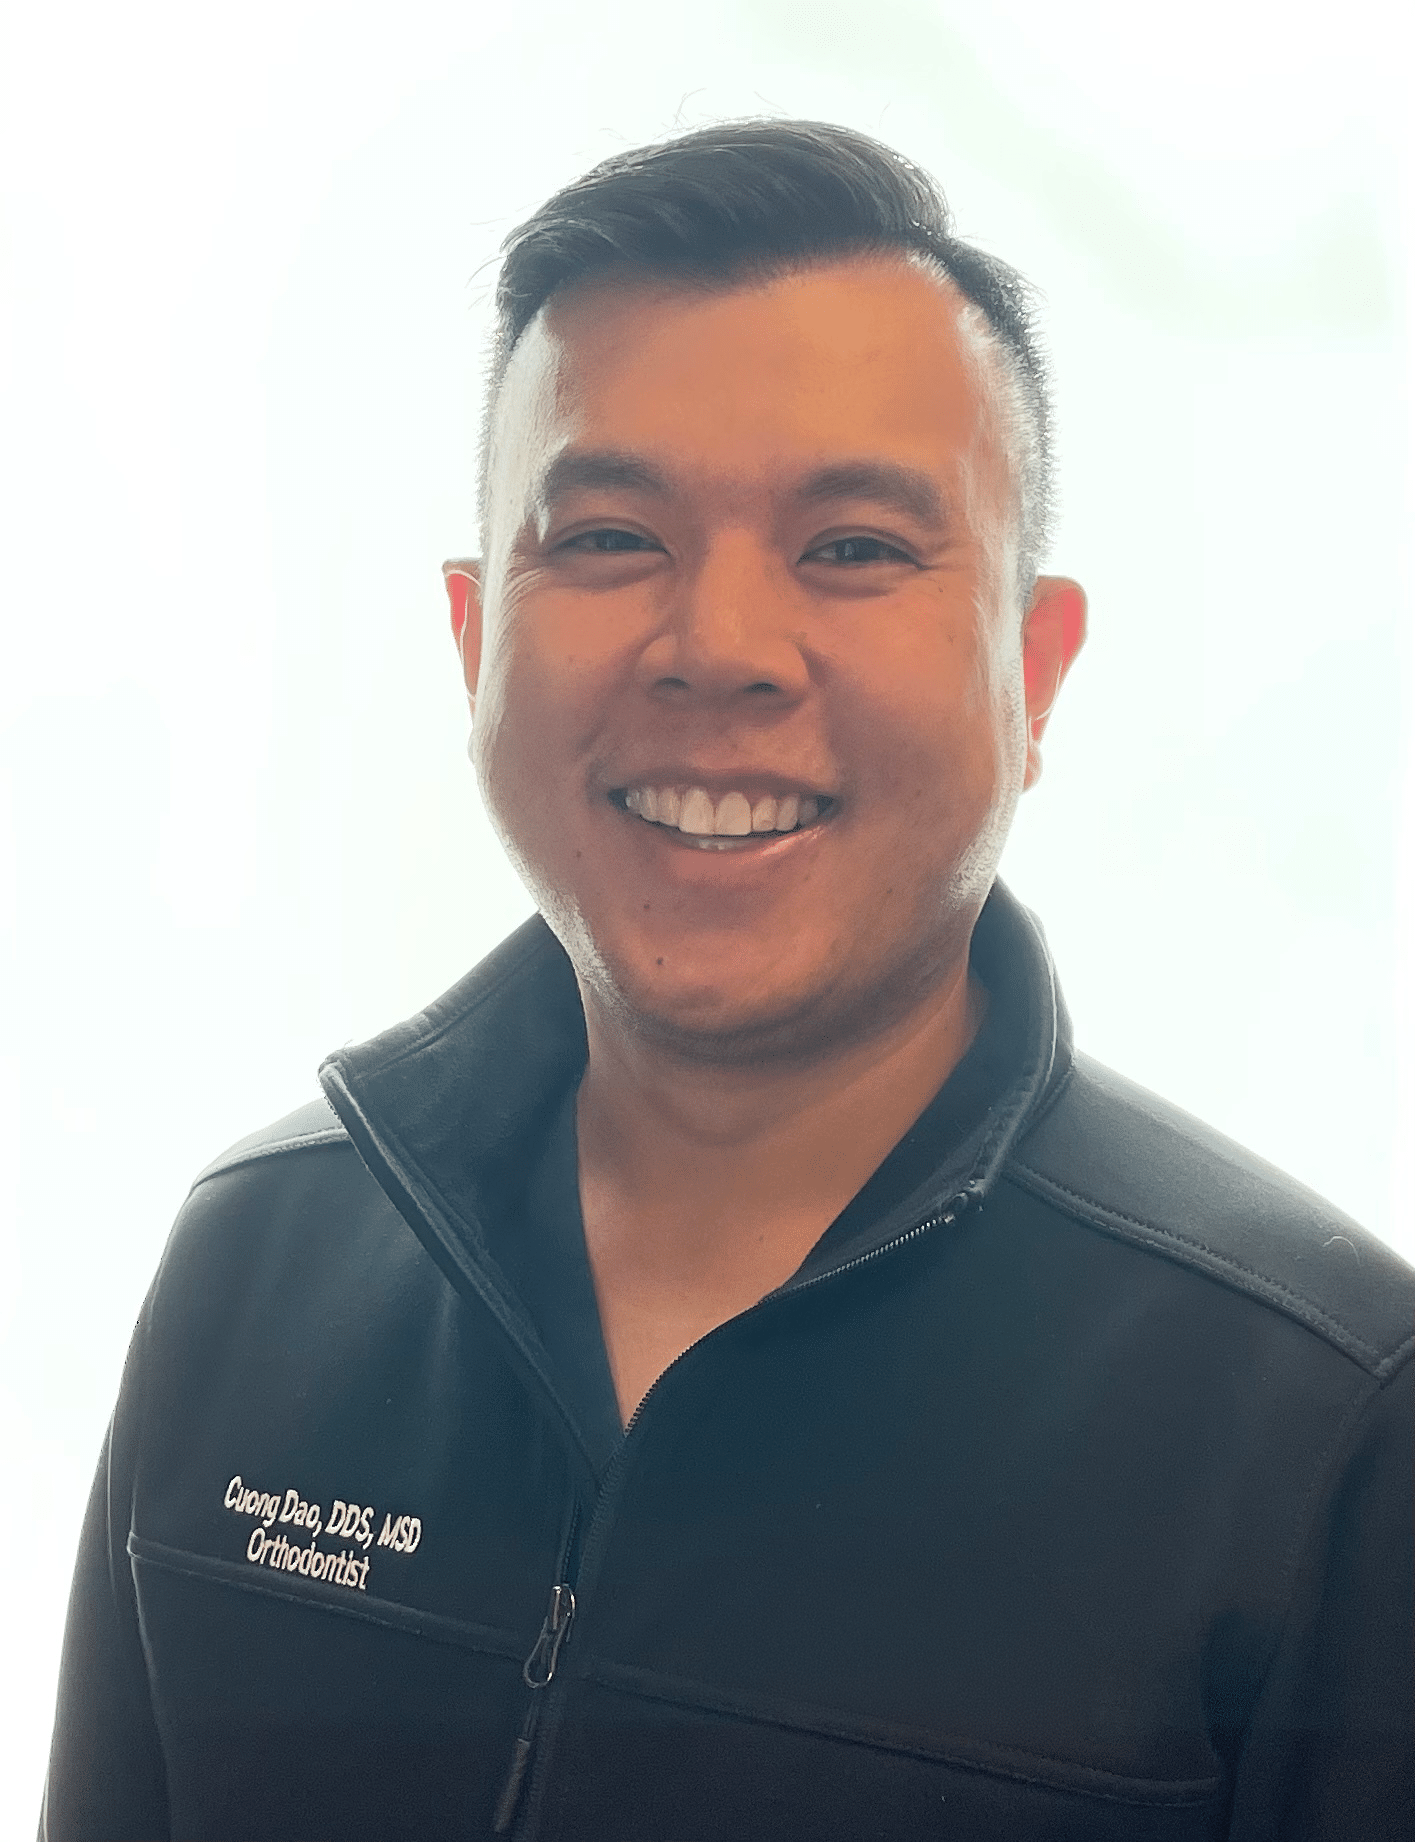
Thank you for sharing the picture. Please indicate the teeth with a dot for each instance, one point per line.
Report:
(733, 816)
(697, 814)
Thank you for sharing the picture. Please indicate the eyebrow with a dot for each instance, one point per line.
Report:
(906, 489)
(588, 469)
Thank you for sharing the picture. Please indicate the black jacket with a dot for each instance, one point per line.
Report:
(1069, 1496)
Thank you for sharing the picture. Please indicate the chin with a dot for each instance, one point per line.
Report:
(723, 1015)
(729, 1036)
(707, 1012)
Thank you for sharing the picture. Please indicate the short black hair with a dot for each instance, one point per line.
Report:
(751, 199)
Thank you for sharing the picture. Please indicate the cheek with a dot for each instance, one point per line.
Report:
(930, 723)
(510, 733)
(533, 730)
(545, 652)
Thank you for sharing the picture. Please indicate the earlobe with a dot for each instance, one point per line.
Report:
(1052, 635)
(462, 576)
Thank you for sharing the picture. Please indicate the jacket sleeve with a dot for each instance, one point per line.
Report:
(1331, 1750)
(106, 1777)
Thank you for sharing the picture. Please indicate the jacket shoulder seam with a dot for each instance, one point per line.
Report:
(1218, 1265)
(254, 1154)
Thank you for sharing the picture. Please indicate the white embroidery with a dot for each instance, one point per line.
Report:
(351, 1522)
(401, 1536)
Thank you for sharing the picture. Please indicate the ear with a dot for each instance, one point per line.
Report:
(1052, 634)
(463, 578)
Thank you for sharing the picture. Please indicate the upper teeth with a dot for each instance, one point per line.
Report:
(732, 816)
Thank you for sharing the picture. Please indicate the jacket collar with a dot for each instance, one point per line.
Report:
(443, 1106)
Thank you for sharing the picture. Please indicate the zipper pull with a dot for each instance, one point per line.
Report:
(538, 1670)
(971, 1193)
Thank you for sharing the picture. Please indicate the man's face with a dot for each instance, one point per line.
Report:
(752, 699)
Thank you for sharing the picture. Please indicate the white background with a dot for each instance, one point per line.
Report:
(247, 256)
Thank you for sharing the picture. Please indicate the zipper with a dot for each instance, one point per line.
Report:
(538, 1672)
(971, 1193)
(539, 1668)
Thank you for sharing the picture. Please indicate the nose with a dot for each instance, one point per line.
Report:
(731, 631)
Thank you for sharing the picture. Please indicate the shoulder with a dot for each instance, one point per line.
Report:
(284, 1230)
(1123, 1161)
(274, 1196)
(313, 1125)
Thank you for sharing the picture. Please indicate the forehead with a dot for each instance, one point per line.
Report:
(870, 355)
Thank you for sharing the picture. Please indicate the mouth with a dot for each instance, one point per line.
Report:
(730, 821)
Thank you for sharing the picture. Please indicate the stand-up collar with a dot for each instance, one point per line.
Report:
(444, 1106)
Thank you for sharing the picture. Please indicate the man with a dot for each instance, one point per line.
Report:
(729, 1368)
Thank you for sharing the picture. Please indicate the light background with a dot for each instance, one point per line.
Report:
(247, 255)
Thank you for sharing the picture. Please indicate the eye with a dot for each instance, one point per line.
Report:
(856, 550)
(608, 542)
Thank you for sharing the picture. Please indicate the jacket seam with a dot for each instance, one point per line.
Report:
(1104, 1216)
(1048, 1101)
(450, 1244)
(304, 1141)
(435, 1627)
(1305, 1525)
(1004, 1128)
(1069, 1775)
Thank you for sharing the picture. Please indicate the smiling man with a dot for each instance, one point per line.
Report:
(729, 1368)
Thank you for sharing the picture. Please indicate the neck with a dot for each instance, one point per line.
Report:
(703, 1151)
(703, 1188)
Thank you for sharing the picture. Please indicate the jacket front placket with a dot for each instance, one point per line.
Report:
(451, 1234)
